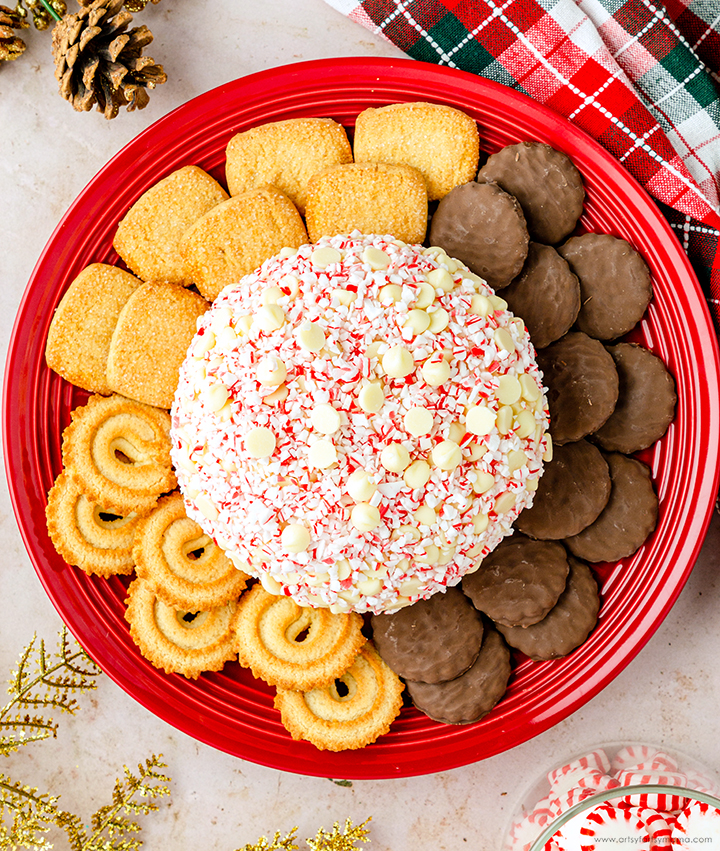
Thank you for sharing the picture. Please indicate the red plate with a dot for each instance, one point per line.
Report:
(231, 710)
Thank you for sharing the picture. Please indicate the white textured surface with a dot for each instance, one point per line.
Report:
(669, 694)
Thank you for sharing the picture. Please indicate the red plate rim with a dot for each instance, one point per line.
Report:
(236, 716)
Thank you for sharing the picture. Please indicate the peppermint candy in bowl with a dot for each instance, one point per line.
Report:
(619, 796)
(359, 422)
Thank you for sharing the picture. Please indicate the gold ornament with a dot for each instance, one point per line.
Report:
(337, 841)
(11, 45)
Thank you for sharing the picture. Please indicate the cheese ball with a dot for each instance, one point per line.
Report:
(359, 422)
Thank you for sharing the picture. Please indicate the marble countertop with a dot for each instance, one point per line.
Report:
(668, 694)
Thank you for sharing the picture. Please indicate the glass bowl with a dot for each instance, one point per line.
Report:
(619, 796)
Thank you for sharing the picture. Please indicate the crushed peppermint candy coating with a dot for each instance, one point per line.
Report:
(359, 422)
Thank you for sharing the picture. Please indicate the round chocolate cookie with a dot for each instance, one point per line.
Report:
(582, 384)
(473, 694)
(432, 640)
(572, 492)
(646, 401)
(546, 295)
(628, 518)
(545, 182)
(615, 284)
(566, 625)
(485, 228)
(519, 581)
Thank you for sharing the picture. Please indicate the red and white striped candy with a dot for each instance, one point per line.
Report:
(659, 825)
(563, 802)
(543, 811)
(665, 802)
(698, 823)
(523, 833)
(660, 762)
(630, 756)
(594, 761)
(701, 782)
(607, 826)
(586, 779)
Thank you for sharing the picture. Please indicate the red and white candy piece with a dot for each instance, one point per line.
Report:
(593, 761)
(701, 782)
(631, 756)
(524, 832)
(698, 823)
(665, 802)
(584, 778)
(607, 826)
(563, 802)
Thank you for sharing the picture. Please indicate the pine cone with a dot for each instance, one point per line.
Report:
(98, 62)
(137, 5)
(11, 46)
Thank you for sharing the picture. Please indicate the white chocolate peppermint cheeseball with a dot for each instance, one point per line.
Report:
(359, 422)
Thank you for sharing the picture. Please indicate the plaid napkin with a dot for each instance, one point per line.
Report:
(639, 76)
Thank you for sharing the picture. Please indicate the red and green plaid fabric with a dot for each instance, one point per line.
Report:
(641, 77)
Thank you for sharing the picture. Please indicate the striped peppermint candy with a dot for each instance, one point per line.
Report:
(665, 802)
(698, 823)
(596, 760)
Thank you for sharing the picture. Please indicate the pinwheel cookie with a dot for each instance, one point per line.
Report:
(118, 453)
(176, 640)
(353, 711)
(292, 646)
(182, 564)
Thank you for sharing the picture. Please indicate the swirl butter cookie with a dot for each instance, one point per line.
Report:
(432, 640)
(519, 581)
(484, 227)
(96, 541)
(546, 183)
(567, 624)
(582, 386)
(572, 492)
(291, 646)
(118, 453)
(473, 694)
(182, 564)
(646, 401)
(628, 518)
(176, 640)
(350, 713)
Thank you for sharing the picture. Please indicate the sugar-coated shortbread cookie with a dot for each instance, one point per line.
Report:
(238, 235)
(285, 154)
(180, 563)
(82, 326)
(441, 142)
(371, 198)
(291, 646)
(118, 453)
(148, 235)
(150, 341)
(350, 713)
(176, 640)
(96, 541)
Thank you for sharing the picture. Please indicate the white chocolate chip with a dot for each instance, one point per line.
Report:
(243, 324)
(430, 555)
(203, 344)
(425, 516)
(456, 432)
(216, 396)
(343, 569)
(311, 336)
(376, 258)
(417, 321)
(271, 295)
(446, 455)
(290, 285)
(359, 486)
(436, 370)
(441, 279)
(270, 317)
(325, 418)
(480, 305)
(417, 474)
(395, 458)
(425, 296)
(295, 538)
(390, 294)
(526, 423)
(271, 585)
(206, 507)
(398, 362)
(371, 397)
(324, 257)
(418, 421)
(483, 482)
(516, 459)
(322, 454)
(480, 420)
(439, 320)
(480, 523)
(531, 483)
(370, 587)
(345, 297)
(365, 517)
(505, 502)
(277, 396)
(271, 371)
(260, 442)
(504, 419)
(509, 389)
(498, 303)
(530, 389)
(504, 340)
(410, 588)
(548, 454)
